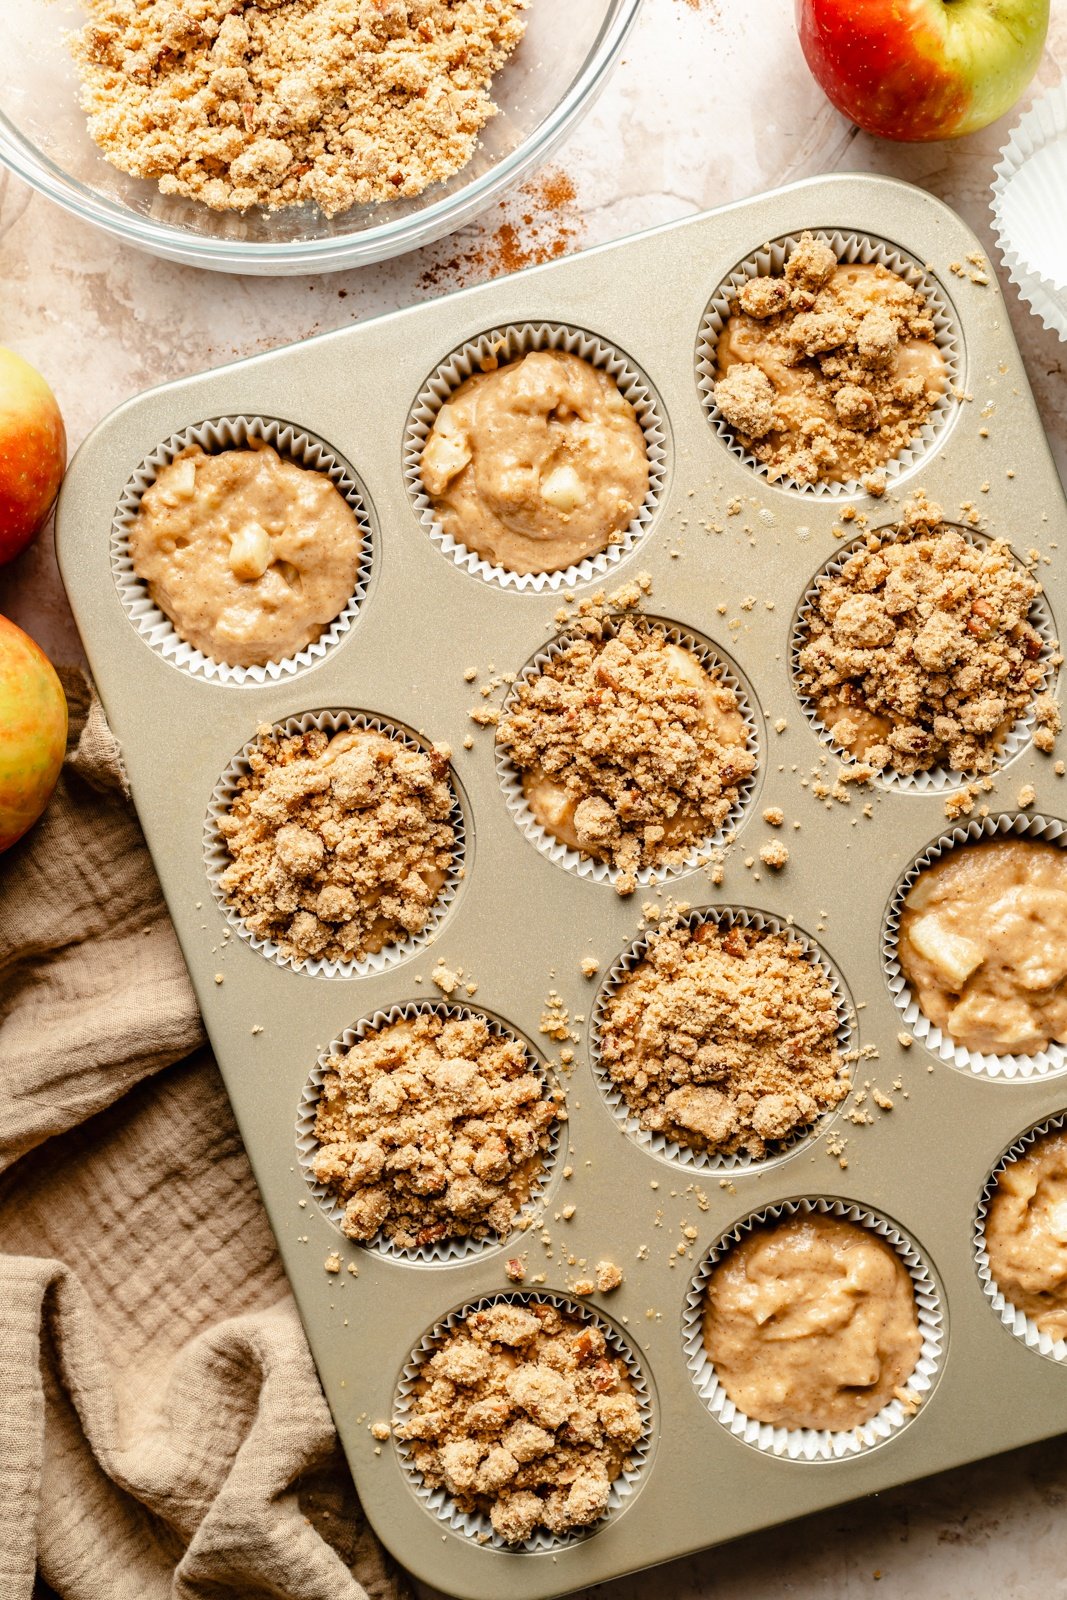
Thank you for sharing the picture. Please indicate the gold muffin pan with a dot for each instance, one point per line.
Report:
(718, 536)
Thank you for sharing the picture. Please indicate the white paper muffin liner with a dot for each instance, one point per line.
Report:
(1028, 211)
(811, 1444)
(849, 248)
(1022, 1326)
(500, 346)
(228, 433)
(217, 857)
(442, 1250)
(658, 1144)
(715, 662)
(1010, 824)
(475, 1525)
(935, 780)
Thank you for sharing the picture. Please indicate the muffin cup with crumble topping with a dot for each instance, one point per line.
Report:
(851, 249)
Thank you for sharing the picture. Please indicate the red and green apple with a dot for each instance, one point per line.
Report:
(33, 453)
(922, 69)
(33, 731)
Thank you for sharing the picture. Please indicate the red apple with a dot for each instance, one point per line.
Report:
(922, 69)
(33, 732)
(33, 453)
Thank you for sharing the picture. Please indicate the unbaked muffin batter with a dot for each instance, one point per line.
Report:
(250, 556)
(538, 464)
(810, 1322)
(983, 945)
(1026, 1233)
(827, 371)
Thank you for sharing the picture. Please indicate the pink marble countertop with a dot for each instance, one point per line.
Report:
(711, 103)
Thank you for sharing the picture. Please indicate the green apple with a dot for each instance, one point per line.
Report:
(33, 732)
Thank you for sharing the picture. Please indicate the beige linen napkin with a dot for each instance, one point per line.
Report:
(162, 1428)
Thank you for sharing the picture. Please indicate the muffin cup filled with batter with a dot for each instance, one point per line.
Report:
(1020, 1238)
(626, 1413)
(870, 1341)
(548, 816)
(922, 653)
(983, 948)
(590, 402)
(752, 1080)
(389, 949)
(348, 588)
(866, 254)
(524, 1174)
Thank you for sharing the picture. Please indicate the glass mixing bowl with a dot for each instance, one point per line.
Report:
(552, 79)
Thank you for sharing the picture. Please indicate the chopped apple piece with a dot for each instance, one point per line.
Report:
(250, 552)
(180, 482)
(563, 489)
(953, 956)
(446, 452)
(996, 1024)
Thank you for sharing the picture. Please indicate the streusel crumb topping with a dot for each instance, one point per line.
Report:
(525, 1415)
(920, 652)
(340, 845)
(828, 370)
(241, 103)
(630, 750)
(432, 1128)
(724, 1039)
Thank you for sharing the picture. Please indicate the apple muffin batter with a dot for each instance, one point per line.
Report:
(724, 1039)
(525, 1415)
(1026, 1233)
(250, 556)
(341, 845)
(629, 750)
(811, 1322)
(538, 464)
(983, 945)
(432, 1128)
(827, 370)
(919, 653)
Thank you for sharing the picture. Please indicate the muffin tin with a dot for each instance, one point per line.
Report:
(521, 919)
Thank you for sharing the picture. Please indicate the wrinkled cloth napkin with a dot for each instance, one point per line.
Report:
(162, 1428)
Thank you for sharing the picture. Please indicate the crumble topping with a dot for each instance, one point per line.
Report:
(920, 651)
(629, 749)
(340, 845)
(724, 1039)
(525, 1415)
(242, 103)
(432, 1128)
(828, 370)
